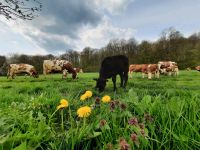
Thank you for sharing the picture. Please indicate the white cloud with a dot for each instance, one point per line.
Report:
(42, 35)
(113, 6)
(14, 40)
(99, 36)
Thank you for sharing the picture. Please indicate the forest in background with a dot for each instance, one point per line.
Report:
(172, 45)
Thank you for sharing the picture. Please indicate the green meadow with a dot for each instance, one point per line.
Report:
(152, 114)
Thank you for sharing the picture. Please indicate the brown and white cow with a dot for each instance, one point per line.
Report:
(14, 69)
(172, 70)
(144, 69)
(138, 68)
(64, 66)
(168, 67)
(152, 69)
(197, 68)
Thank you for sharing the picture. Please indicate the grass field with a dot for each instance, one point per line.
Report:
(152, 114)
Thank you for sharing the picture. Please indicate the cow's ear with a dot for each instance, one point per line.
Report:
(95, 79)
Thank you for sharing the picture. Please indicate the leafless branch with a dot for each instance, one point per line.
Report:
(23, 9)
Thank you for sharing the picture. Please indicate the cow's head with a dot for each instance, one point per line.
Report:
(100, 84)
(35, 74)
(74, 75)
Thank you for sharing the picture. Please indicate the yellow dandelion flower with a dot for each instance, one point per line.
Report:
(60, 106)
(63, 103)
(83, 97)
(84, 111)
(106, 99)
(88, 93)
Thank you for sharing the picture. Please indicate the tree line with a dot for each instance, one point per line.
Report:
(171, 45)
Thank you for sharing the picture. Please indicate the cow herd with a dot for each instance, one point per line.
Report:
(162, 67)
(110, 67)
(119, 65)
(49, 66)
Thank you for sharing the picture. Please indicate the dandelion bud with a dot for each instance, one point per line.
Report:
(116, 102)
(102, 123)
(133, 121)
(97, 100)
(109, 146)
(141, 126)
(112, 105)
(122, 106)
(134, 137)
(142, 132)
(148, 117)
(124, 145)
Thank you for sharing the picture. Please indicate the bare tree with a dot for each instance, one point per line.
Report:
(23, 9)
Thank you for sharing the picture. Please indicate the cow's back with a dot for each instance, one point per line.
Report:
(138, 67)
(114, 65)
(19, 68)
(48, 63)
(52, 66)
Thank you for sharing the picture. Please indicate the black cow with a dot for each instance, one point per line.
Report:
(110, 68)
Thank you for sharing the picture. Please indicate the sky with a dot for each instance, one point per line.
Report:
(76, 24)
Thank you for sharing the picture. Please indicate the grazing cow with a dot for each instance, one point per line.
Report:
(110, 68)
(152, 69)
(163, 66)
(138, 68)
(51, 66)
(172, 70)
(14, 69)
(144, 69)
(197, 68)
(68, 66)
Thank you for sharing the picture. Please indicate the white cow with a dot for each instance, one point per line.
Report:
(168, 67)
(64, 66)
(14, 69)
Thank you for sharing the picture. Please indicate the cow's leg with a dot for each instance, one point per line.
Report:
(157, 74)
(8, 75)
(30, 74)
(44, 72)
(125, 79)
(149, 75)
(122, 80)
(114, 82)
(131, 74)
(143, 74)
(177, 72)
(154, 74)
(64, 76)
(13, 75)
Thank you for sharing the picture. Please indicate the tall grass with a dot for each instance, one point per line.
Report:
(163, 113)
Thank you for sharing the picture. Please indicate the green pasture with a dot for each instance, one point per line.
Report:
(167, 111)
